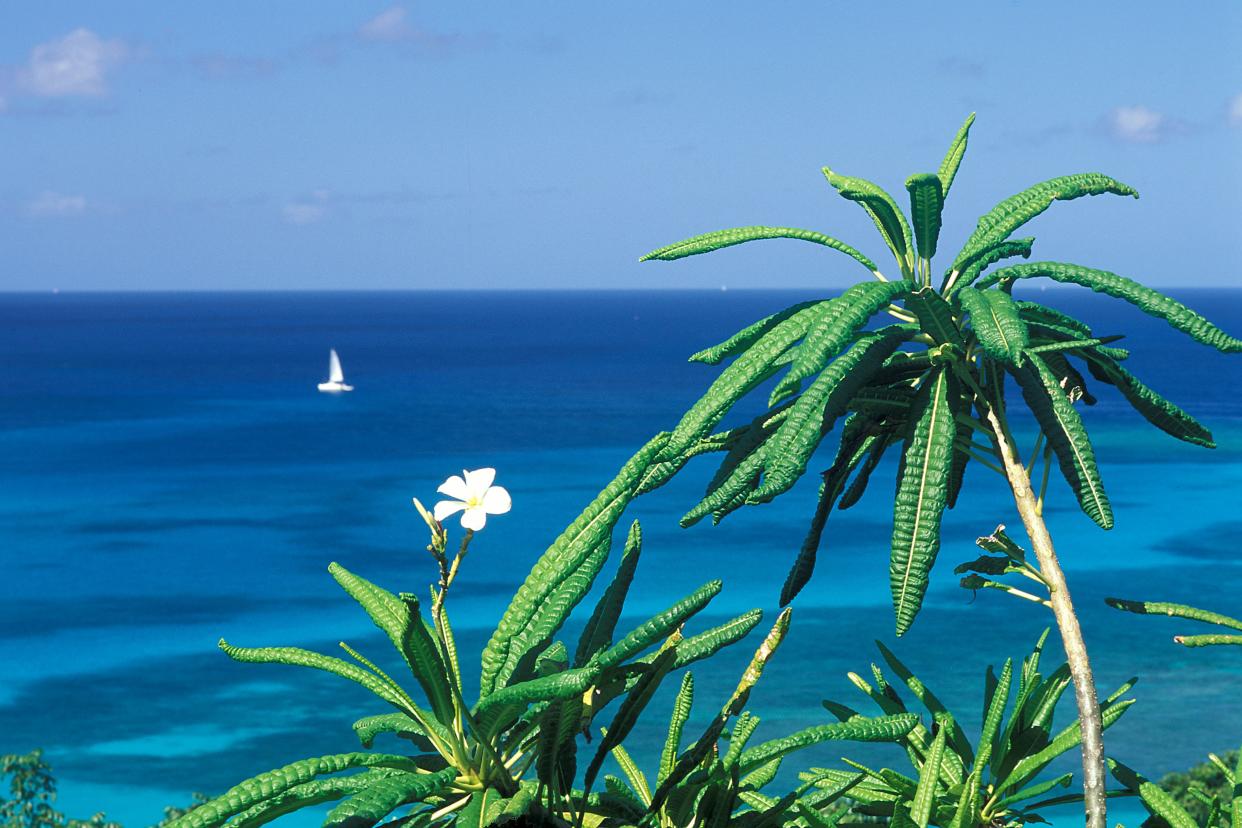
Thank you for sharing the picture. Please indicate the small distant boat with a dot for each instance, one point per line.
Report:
(336, 377)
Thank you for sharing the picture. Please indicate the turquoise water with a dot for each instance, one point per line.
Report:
(170, 476)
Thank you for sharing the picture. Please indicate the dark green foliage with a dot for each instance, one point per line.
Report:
(718, 778)
(995, 781)
(922, 493)
(961, 341)
(32, 792)
(1208, 796)
(1195, 789)
(31, 798)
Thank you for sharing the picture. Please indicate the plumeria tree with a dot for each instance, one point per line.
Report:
(934, 386)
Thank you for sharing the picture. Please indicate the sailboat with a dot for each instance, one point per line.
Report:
(336, 377)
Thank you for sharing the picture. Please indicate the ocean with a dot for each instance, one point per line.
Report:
(170, 476)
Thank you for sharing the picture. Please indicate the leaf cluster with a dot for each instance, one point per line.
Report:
(931, 386)
(1209, 796)
(32, 795)
(719, 778)
(996, 779)
(514, 751)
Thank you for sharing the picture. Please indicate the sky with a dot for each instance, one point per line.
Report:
(314, 145)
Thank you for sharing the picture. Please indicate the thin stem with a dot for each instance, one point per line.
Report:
(1092, 725)
(1039, 443)
(1043, 484)
(900, 313)
(1018, 593)
(974, 424)
(983, 461)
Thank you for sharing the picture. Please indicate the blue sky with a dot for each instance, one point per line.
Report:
(451, 145)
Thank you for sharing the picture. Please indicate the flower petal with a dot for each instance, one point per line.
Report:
(447, 507)
(474, 518)
(497, 501)
(478, 480)
(455, 487)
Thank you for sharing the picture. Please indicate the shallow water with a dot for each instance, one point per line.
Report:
(170, 476)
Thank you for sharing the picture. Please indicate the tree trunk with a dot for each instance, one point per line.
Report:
(1092, 724)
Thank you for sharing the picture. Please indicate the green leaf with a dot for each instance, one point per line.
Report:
(399, 619)
(620, 789)
(751, 368)
(929, 779)
(935, 316)
(366, 729)
(268, 785)
(1174, 611)
(1157, 801)
(1158, 411)
(298, 657)
(739, 471)
(632, 773)
(1038, 789)
(926, 203)
(970, 269)
(515, 636)
(967, 804)
(882, 210)
(484, 807)
(597, 634)
(743, 729)
(1066, 434)
(498, 709)
(789, 450)
(315, 792)
(921, 494)
(961, 437)
(658, 627)
(1035, 312)
(995, 320)
(377, 801)
(833, 328)
(556, 763)
(849, 454)
(862, 729)
(875, 453)
(1236, 805)
(994, 711)
(676, 725)
(708, 242)
(957, 737)
(631, 708)
(953, 158)
(1002, 220)
(747, 336)
(1065, 740)
(1149, 301)
(709, 642)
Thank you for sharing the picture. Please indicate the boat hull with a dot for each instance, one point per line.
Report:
(334, 387)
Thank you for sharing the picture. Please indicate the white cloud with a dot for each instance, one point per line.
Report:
(1138, 125)
(53, 204)
(1235, 111)
(76, 65)
(307, 210)
(389, 25)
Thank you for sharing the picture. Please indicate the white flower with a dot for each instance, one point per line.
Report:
(474, 493)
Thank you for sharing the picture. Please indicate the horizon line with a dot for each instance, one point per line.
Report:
(637, 289)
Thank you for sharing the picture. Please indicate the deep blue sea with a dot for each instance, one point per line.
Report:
(169, 475)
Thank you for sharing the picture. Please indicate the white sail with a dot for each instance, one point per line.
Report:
(335, 374)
